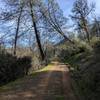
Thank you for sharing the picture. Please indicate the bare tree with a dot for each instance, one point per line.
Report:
(95, 27)
(81, 11)
(36, 31)
(54, 17)
(18, 25)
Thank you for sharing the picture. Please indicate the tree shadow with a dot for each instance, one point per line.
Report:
(41, 86)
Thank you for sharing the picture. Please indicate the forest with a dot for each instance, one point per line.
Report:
(46, 54)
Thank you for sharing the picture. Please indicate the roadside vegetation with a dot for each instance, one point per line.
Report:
(84, 61)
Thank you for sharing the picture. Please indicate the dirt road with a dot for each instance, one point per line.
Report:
(53, 84)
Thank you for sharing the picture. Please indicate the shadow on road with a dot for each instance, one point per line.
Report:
(45, 85)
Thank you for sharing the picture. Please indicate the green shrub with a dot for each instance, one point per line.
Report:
(96, 46)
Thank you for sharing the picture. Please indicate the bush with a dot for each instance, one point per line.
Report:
(67, 51)
(96, 46)
(12, 67)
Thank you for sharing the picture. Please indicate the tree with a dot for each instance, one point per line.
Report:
(13, 13)
(36, 31)
(38, 17)
(95, 27)
(54, 18)
(23, 9)
(18, 25)
(81, 11)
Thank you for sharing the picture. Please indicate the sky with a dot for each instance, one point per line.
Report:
(66, 6)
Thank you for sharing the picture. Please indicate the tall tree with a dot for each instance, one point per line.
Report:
(36, 30)
(18, 25)
(53, 15)
(13, 13)
(81, 11)
(95, 27)
(25, 7)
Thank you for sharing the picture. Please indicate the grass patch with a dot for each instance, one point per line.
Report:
(43, 69)
(60, 97)
(10, 85)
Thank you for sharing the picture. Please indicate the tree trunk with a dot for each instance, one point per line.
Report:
(36, 34)
(17, 31)
(87, 33)
(85, 27)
